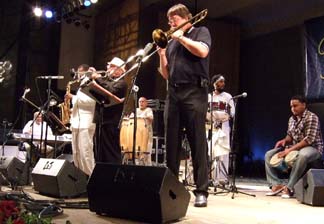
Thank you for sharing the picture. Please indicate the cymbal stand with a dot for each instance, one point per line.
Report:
(187, 156)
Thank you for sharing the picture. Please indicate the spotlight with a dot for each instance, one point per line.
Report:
(77, 22)
(94, 1)
(48, 14)
(68, 20)
(87, 3)
(86, 24)
(38, 12)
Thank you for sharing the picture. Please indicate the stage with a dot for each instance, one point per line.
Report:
(221, 209)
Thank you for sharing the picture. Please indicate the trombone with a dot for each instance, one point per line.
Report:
(161, 38)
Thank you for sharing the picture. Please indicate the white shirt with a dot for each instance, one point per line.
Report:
(36, 129)
(82, 111)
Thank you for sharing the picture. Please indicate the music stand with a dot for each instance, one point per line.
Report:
(100, 94)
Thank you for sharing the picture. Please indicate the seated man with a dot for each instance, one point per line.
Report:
(304, 136)
(37, 129)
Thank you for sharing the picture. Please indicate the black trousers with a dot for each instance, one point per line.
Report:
(186, 107)
(107, 147)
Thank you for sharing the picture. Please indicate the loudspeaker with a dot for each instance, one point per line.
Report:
(143, 193)
(13, 171)
(310, 188)
(58, 178)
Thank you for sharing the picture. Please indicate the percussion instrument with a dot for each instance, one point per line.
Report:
(220, 106)
(142, 137)
(284, 164)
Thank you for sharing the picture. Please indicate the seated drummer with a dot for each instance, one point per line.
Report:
(303, 135)
(37, 128)
(146, 113)
(222, 107)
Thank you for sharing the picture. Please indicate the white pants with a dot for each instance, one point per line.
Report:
(82, 148)
(220, 155)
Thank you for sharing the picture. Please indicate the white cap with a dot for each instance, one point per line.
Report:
(117, 62)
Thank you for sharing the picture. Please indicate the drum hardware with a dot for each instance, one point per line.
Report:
(186, 156)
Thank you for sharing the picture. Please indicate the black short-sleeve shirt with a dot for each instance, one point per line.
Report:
(184, 67)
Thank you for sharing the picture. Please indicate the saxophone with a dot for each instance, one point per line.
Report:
(65, 107)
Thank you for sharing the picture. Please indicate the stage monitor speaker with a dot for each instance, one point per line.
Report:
(13, 171)
(310, 188)
(58, 178)
(142, 193)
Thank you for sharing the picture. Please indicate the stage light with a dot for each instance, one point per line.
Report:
(94, 1)
(48, 14)
(87, 3)
(38, 12)
(86, 24)
(77, 22)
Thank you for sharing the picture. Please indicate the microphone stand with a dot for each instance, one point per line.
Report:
(5, 125)
(136, 66)
(232, 187)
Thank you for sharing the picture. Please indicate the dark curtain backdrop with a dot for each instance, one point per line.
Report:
(272, 70)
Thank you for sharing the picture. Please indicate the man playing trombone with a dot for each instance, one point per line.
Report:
(185, 64)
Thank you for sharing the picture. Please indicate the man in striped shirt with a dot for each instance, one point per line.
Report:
(304, 136)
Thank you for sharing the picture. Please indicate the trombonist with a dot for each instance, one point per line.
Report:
(185, 64)
(107, 145)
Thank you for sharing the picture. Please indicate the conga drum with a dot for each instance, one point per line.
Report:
(291, 157)
(142, 137)
(123, 138)
(284, 164)
(278, 163)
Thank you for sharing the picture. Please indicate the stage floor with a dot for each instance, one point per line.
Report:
(221, 209)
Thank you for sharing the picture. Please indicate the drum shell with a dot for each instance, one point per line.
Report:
(142, 137)
(279, 163)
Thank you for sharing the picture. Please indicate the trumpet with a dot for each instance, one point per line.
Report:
(161, 38)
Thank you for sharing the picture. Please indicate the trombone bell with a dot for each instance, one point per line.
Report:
(160, 38)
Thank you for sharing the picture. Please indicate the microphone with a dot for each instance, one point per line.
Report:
(73, 73)
(25, 92)
(51, 77)
(239, 96)
(143, 52)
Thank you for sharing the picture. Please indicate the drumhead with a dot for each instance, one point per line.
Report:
(275, 160)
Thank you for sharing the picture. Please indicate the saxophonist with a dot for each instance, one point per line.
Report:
(82, 125)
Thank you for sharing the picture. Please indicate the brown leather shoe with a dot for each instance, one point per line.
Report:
(275, 189)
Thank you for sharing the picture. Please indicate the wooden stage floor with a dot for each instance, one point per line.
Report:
(221, 209)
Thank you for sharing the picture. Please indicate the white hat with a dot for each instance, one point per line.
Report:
(117, 62)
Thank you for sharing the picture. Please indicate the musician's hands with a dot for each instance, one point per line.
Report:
(161, 51)
(281, 143)
(177, 35)
(68, 96)
(283, 153)
(217, 116)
